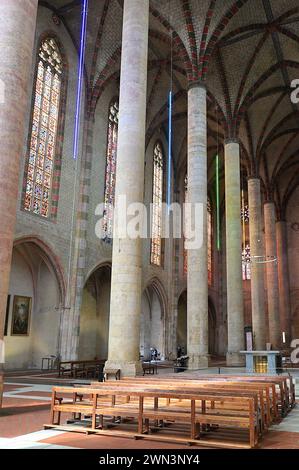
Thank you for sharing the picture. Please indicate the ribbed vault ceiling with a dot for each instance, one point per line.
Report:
(247, 52)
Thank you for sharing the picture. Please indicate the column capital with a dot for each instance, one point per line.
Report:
(256, 178)
(197, 84)
(268, 201)
(231, 140)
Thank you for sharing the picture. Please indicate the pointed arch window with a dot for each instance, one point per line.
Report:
(158, 178)
(44, 128)
(111, 157)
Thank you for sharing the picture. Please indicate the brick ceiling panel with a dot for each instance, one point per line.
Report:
(290, 48)
(111, 37)
(172, 12)
(218, 12)
(251, 13)
(281, 6)
(236, 61)
(252, 37)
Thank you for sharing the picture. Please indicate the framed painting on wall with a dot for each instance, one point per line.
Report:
(21, 316)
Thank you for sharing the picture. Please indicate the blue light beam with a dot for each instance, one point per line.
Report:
(80, 78)
(169, 150)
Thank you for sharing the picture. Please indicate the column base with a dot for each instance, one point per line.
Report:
(127, 369)
(235, 359)
(197, 361)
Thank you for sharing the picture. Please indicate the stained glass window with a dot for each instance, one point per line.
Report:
(158, 175)
(110, 169)
(210, 242)
(245, 213)
(246, 263)
(43, 138)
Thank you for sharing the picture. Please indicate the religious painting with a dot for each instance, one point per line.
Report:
(21, 316)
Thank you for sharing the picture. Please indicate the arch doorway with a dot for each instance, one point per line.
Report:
(182, 325)
(36, 293)
(152, 327)
(94, 317)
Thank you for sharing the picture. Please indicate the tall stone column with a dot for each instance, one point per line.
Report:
(197, 277)
(272, 275)
(257, 269)
(284, 280)
(17, 29)
(125, 308)
(235, 309)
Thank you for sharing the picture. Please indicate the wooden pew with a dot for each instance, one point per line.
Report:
(263, 390)
(284, 385)
(76, 368)
(145, 413)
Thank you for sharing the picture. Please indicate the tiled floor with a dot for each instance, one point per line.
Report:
(26, 408)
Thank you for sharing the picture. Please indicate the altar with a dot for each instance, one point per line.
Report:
(261, 362)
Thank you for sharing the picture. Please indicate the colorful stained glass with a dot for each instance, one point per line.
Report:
(111, 157)
(245, 214)
(44, 129)
(156, 244)
(246, 263)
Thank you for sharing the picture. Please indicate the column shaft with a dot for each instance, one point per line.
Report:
(197, 278)
(235, 309)
(125, 308)
(17, 28)
(284, 280)
(272, 276)
(257, 269)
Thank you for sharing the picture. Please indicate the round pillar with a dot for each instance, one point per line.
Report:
(275, 334)
(125, 307)
(284, 280)
(235, 309)
(197, 277)
(257, 268)
(17, 29)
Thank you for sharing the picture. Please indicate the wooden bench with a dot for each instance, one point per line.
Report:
(264, 416)
(149, 368)
(284, 386)
(79, 368)
(264, 391)
(284, 398)
(146, 409)
(268, 405)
